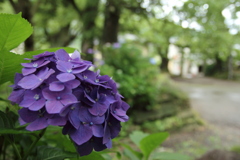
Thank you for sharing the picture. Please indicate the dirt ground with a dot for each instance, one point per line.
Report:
(217, 102)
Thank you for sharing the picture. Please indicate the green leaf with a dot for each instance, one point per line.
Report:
(13, 30)
(9, 65)
(170, 156)
(106, 152)
(151, 142)
(132, 153)
(50, 153)
(14, 131)
(137, 136)
(92, 156)
(31, 53)
(5, 122)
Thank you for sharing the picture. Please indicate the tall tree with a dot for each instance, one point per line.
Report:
(28, 9)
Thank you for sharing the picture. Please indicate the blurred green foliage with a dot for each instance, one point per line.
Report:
(137, 77)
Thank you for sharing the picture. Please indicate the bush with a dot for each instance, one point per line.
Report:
(150, 94)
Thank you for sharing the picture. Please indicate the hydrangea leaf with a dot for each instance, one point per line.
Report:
(137, 136)
(131, 153)
(93, 156)
(50, 153)
(15, 131)
(151, 142)
(9, 65)
(13, 30)
(67, 49)
(5, 122)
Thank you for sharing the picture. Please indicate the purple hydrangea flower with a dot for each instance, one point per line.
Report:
(116, 45)
(59, 89)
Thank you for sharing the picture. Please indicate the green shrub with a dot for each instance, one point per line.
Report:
(137, 77)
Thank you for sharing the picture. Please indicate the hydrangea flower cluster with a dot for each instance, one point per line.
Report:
(59, 89)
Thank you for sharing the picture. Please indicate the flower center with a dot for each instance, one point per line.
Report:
(85, 77)
(36, 97)
(69, 70)
(35, 65)
(97, 80)
(91, 123)
(58, 98)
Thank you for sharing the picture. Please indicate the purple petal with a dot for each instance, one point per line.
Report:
(27, 71)
(64, 66)
(38, 124)
(76, 56)
(29, 82)
(45, 54)
(37, 105)
(109, 144)
(84, 115)
(62, 55)
(27, 115)
(97, 130)
(45, 73)
(64, 77)
(74, 118)
(98, 144)
(82, 135)
(53, 107)
(57, 120)
(16, 96)
(67, 99)
(28, 98)
(73, 83)
(98, 109)
(43, 64)
(107, 133)
(125, 106)
(49, 95)
(56, 86)
(80, 69)
(85, 148)
(21, 121)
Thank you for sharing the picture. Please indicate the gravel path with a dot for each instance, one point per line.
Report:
(217, 102)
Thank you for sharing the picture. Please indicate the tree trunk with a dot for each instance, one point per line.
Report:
(89, 17)
(164, 64)
(219, 65)
(182, 61)
(111, 22)
(25, 6)
(165, 60)
(26, 13)
(230, 67)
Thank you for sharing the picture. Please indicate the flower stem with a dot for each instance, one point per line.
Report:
(16, 149)
(34, 143)
(9, 139)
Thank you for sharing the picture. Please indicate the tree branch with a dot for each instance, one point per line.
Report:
(35, 7)
(13, 4)
(72, 2)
